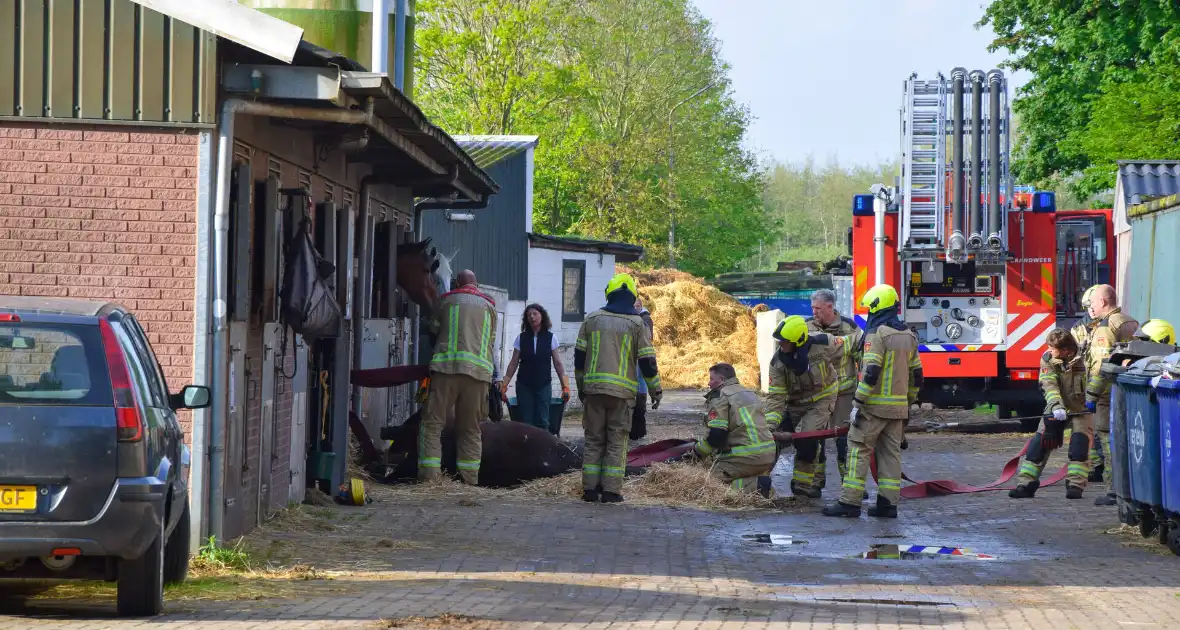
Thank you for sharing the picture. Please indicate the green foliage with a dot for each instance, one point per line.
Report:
(596, 80)
(212, 556)
(813, 206)
(1096, 66)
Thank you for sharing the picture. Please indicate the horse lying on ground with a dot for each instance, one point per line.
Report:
(513, 453)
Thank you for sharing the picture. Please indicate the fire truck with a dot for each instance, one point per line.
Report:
(983, 275)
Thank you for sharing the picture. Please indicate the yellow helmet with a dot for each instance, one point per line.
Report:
(879, 298)
(792, 329)
(622, 280)
(1157, 330)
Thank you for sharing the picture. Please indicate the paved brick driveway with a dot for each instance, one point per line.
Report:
(495, 563)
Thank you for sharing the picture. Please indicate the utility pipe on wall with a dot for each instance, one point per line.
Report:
(380, 58)
(399, 44)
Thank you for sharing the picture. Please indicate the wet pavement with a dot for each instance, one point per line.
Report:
(512, 563)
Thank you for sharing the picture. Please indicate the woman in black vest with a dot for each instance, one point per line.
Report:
(535, 352)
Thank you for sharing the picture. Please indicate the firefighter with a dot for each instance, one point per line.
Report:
(803, 387)
(1063, 382)
(827, 320)
(612, 352)
(738, 436)
(1110, 326)
(889, 382)
(1081, 330)
(460, 375)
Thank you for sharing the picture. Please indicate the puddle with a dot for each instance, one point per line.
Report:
(777, 540)
(920, 552)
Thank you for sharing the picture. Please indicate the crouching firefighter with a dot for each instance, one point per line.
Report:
(738, 436)
(1063, 382)
(889, 382)
(612, 352)
(804, 382)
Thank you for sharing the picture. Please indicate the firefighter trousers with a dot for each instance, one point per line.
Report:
(1100, 445)
(883, 436)
(839, 419)
(468, 397)
(606, 421)
(813, 416)
(1078, 469)
(741, 473)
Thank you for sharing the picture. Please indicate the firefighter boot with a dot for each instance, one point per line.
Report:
(810, 492)
(883, 509)
(1073, 492)
(591, 496)
(1106, 499)
(841, 509)
(1025, 491)
(1096, 473)
(764, 488)
(611, 497)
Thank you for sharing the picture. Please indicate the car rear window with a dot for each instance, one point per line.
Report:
(52, 364)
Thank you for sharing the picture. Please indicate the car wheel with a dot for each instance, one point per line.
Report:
(140, 591)
(178, 550)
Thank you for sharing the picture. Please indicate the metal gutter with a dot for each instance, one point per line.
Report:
(202, 342)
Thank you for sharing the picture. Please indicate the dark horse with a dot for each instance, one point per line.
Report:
(418, 273)
(513, 453)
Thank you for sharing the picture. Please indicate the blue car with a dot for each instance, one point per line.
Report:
(93, 465)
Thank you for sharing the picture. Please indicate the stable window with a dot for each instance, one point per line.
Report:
(573, 290)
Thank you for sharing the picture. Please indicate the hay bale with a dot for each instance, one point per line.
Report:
(696, 325)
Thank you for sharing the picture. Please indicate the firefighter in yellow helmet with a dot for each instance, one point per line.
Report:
(1110, 326)
(1157, 330)
(890, 377)
(1081, 330)
(612, 353)
(804, 381)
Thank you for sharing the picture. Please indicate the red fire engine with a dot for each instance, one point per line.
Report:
(983, 275)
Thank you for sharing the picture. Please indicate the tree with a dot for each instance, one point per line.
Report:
(1078, 51)
(595, 79)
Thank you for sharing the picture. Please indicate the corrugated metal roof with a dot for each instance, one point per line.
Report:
(1143, 181)
(488, 150)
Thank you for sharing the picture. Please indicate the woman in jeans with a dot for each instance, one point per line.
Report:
(535, 352)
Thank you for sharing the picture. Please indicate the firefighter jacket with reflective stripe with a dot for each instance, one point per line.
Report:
(789, 392)
(1114, 328)
(892, 355)
(735, 409)
(846, 362)
(1063, 383)
(614, 343)
(466, 321)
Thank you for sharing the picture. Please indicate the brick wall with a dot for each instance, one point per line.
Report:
(106, 213)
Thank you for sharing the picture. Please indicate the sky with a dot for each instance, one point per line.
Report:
(824, 77)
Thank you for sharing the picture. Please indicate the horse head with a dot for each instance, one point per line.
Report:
(417, 273)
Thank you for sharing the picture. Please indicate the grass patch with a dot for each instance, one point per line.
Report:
(213, 558)
(1130, 537)
(986, 410)
(445, 620)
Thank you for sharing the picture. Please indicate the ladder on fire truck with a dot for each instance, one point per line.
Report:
(924, 134)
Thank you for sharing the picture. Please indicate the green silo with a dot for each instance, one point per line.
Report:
(341, 26)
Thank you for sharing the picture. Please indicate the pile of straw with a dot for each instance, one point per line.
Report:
(696, 326)
(676, 484)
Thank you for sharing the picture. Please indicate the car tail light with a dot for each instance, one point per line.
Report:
(127, 417)
(9, 317)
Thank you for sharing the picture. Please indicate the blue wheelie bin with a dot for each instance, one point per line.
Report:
(1143, 445)
(1120, 476)
(1168, 393)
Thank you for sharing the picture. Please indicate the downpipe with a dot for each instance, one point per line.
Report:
(361, 311)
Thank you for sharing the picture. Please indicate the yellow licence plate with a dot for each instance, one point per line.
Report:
(18, 498)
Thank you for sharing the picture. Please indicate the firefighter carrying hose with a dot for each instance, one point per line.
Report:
(1063, 382)
(803, 387)
(890, 378)
(612, 353)
(738, 436)
(1111, 326)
